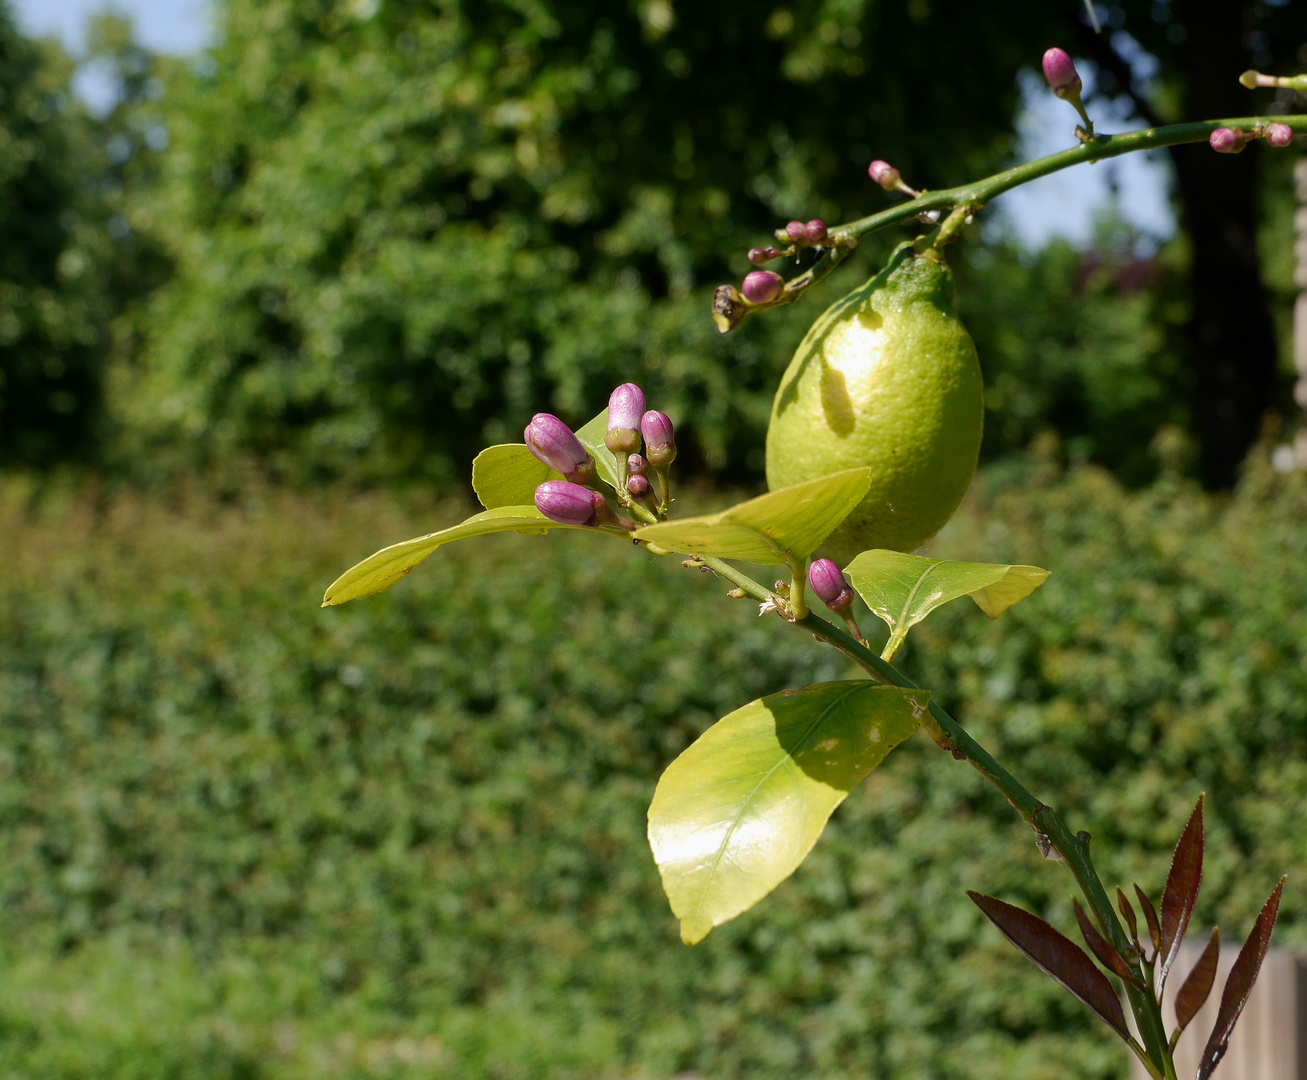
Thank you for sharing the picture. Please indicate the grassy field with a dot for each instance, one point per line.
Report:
(244, 837)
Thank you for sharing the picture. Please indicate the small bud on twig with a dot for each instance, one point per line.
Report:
(888, 177)
(659, 438)
(795, 230)
(762, 286)
(553, 443)
(1279, 135)
(1064, 80)
(1227, 140)
(829, 585)
(625, 408)
(758, 255)
(815, 231)
(570, 504)
(636, 465)
(637, 486)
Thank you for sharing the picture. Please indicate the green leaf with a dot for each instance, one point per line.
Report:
(740, 809)
(508, 475)
(903, 589)
(380, 571)
(592, 438)
(782, 526)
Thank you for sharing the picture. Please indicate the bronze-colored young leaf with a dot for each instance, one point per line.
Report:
(1239, 983)
(1056, 956)
(1128, 914)
(1198, 983)
(1150, 917)
(1102, 948)
(1181, 891)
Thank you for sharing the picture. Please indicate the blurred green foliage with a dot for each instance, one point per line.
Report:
(240, 837)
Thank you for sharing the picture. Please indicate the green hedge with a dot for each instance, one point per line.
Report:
(244, 837)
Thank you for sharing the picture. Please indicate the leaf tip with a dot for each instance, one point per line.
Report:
(694, 929)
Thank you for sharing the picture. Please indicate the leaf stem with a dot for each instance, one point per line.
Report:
(1051, 833)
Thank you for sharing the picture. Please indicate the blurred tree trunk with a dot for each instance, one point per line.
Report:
(1231, 337)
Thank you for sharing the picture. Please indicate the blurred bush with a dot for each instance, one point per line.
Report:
(243, 837)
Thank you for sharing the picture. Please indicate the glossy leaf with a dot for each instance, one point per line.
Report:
(1239, 983)
(1181, 892)
(382, 569)
(1128, 914)
(783, 526)
(508, 474)
(592, 438)
(1102, 948)
(1056, 956)
(1150, 917)
(740, 809)
(1198, 983)
(903, 589)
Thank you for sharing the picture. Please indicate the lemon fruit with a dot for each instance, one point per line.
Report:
(887, 378)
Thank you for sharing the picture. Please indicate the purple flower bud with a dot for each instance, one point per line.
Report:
(829, 585)
(570, 504)
(553, 443)
(659, 439)
(1279, 135)
(636, 465)
(762, 286)
(795, 230)
(815, 231)
(625, 407)
(1061, 73)
(637, 485)
(884, 174)
(758, 256)
(1227, 140)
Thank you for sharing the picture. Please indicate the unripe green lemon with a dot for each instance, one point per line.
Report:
(886, 378)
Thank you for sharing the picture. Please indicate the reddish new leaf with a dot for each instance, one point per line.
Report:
(1056, 956)
(1181, 891)
(1128, 913)
(1198, 983)
(1150, 917)
(1102, 948)
(1239, 984)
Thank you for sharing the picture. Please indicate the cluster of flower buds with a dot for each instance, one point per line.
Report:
(1064, 81)
(1232, 140)
(830, 587)
(803, 234)
(578, 500)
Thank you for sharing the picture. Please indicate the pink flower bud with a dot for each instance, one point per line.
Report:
(828, 583)
(636, 465)
(553, 443)
(1279, 135)
(570, 504)
(659, 439)
(1227, 140)
(1061, 73)
(762, 286)
(758, 256)
(625, 407)
(795, 230)
(815, 231)
(637, 485)
(884, 174)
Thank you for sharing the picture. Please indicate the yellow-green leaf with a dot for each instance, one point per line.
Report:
(783, 526)
(508, 474)
(903, 589)
(740, 809)
(592, 438)
(381, 570)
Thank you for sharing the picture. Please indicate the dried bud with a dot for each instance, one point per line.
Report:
(762, 286)
(636, 465)
(815, 231)
(637, 486)
(885, 175)
(1227, 140)
(796, 231)
(828, 583)
(659, 439)
(570, 504)
(553, 443)
(625, 408)
(1061, 73)
(758, 256)
(1279, 135)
